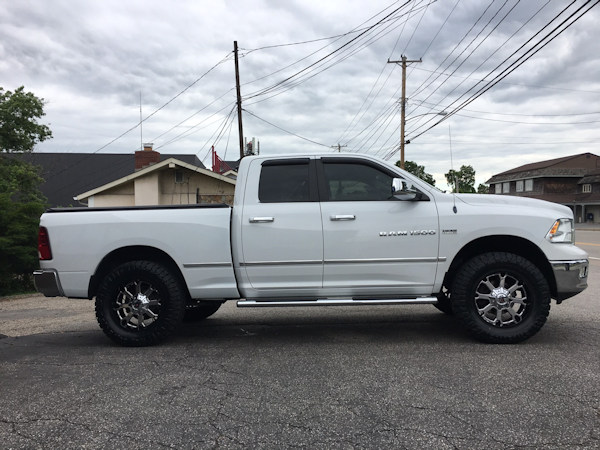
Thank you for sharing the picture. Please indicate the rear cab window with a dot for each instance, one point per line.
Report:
(287, 180)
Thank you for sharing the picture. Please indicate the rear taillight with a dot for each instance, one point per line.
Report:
(44, 250)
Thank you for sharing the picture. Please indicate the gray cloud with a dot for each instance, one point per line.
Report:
(90, 60)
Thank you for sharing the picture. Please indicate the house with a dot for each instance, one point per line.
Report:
(69, 175)
(573, 181)
(156, 182)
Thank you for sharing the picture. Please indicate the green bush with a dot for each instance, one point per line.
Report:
(21, 204)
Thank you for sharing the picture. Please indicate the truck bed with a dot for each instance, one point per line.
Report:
(195, 237)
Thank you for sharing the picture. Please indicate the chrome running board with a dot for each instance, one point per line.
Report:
(336, 302)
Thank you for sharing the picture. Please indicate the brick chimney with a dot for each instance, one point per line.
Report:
(146, 157)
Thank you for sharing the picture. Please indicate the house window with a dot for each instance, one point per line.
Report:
(520, 185)
(587, 188)
(528, 185)
(505, 188)
(498, 188)
(179, 176)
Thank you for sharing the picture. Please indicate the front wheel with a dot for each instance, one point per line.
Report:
(140, 303)
(501, 298)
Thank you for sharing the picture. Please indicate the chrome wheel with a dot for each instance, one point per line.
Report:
(500, 297)
(137, 305)
(501, 300)
(140, 303)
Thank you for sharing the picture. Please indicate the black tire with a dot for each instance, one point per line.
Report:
(501, 298)
(443, 303)
(195, 312)
(140, 303)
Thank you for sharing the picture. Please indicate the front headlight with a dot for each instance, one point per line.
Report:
(562, 232)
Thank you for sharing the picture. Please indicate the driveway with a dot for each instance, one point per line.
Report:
(362, 377)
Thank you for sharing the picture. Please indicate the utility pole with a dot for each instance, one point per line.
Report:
(239, 98)
(339, 147)
(404, 61)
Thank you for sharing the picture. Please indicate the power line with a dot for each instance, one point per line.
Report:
(163, 106)
(474, 49)
(480, 143)
(528, 123)
(419, 89)
(89, 155)
(519, 114)
(538, 86)
(350, 125)
(284, 130)
(549, 37)
(329, 55)
(436, 106)
(193, 128)
(193, 115)
(219, 131)
(439, 30)
(336, 37)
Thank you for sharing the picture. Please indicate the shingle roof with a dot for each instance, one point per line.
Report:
(166, 163)
(233, 165)
(69, 174)
(567, 166)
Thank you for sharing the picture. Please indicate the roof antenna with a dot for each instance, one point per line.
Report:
(452, 172)
(141, 134)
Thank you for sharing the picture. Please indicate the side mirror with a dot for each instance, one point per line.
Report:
(401, 191)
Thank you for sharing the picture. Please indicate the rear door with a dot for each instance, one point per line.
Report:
(282, 234)
(374, 243)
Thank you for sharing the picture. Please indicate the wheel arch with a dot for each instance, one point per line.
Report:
(503, 243)
(132, 253)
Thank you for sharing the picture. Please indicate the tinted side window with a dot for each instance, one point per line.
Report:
(284, 183)
(356, 182)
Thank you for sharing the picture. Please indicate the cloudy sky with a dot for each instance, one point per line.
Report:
(518, 81)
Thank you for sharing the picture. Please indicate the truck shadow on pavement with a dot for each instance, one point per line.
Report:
(294, 328)
(291, 328)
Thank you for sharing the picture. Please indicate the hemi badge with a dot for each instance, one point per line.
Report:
(449, 231)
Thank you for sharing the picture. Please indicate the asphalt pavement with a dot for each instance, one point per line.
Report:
(361, 377)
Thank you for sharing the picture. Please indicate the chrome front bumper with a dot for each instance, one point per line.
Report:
(571, 277)
(48, 283)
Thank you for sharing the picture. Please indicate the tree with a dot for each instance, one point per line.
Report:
(465, 178)
(21, 204)
(21, 201)
(19, 127)
(483, 189)
(418, 171)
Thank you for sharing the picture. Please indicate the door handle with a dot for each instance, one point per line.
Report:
(339, 217)
(261, 219)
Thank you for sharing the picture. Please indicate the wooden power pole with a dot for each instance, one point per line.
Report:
(404, 61)
(339, 147)
(239, 98)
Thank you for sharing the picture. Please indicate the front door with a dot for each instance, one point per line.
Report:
(374, 243)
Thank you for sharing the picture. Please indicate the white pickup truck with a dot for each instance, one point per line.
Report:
(320, 230)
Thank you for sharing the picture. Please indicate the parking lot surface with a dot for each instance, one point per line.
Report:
(362, 377)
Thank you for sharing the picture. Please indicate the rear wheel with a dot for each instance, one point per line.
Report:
(501, 297)
(140, 303)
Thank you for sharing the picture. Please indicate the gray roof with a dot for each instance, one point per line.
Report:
(567, 167)
(591, 177)
(233, 165)
(69, 174)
